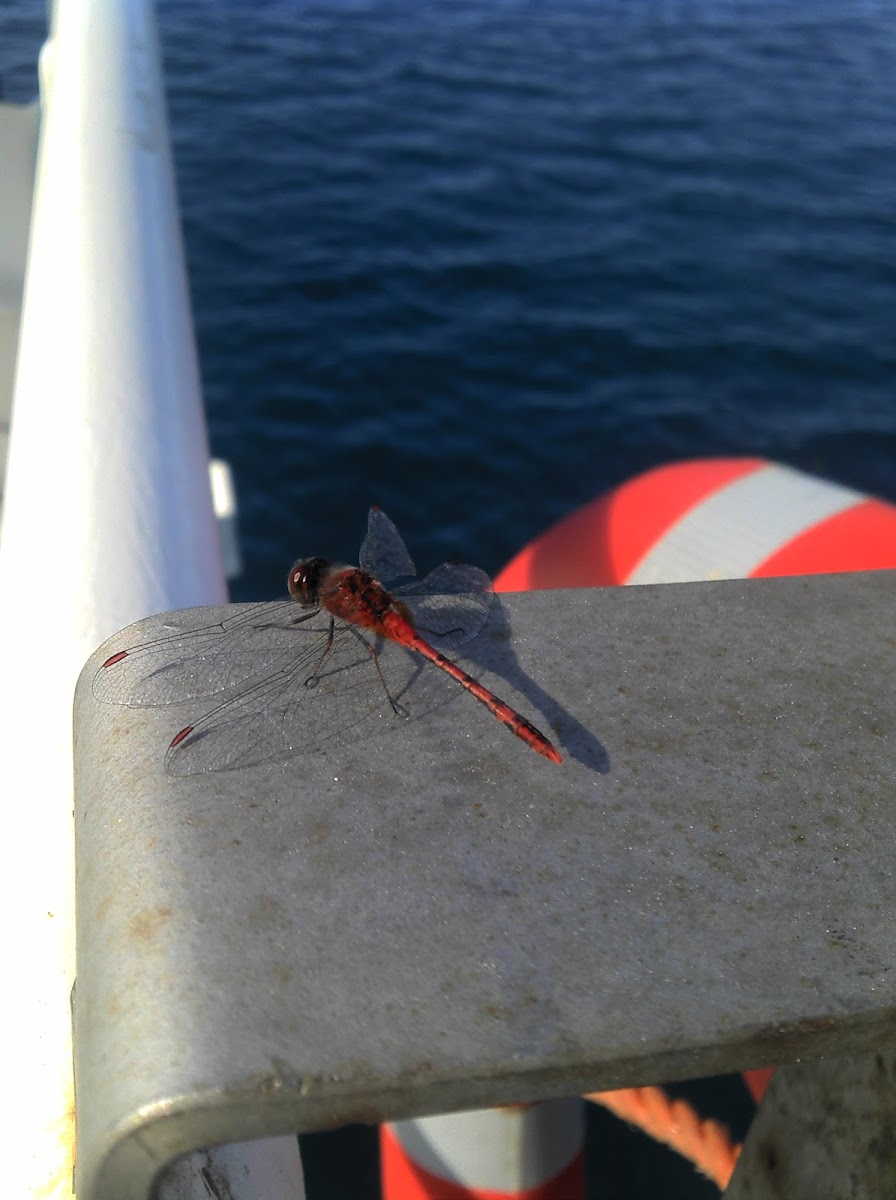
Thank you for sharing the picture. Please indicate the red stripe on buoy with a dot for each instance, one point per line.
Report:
(602, 542)
(402, 1178)
(861, 539)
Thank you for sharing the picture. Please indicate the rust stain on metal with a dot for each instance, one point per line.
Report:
(146, 925)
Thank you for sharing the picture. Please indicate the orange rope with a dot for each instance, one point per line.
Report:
(757, 1081)
(706, 1143)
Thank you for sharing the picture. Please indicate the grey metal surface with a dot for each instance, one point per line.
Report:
(431, 917)
(824, 1129)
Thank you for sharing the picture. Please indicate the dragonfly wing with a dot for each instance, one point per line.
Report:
(194, 659)
(248, 728)
(383, 553)
(298, 708)
(450, 605)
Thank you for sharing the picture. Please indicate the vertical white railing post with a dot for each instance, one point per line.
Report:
(107, 517)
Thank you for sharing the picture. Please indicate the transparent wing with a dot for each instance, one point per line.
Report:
(383, 553)
(450, 605)
(195, 660)
(305, 706)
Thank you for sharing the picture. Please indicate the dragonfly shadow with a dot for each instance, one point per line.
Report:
(493, 651)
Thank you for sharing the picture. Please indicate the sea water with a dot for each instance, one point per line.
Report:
(478, 261)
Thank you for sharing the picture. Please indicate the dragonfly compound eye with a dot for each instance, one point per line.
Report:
(304, 579)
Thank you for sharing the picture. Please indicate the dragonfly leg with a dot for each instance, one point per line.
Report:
(294, 621)
(314, 678)
(397, 708)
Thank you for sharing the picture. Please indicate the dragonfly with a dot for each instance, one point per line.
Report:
(294, 673)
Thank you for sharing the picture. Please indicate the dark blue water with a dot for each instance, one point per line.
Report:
(480, 260)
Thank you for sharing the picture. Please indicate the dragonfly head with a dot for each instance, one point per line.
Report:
(305, 578)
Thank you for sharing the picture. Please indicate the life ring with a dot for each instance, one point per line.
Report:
(719, 518)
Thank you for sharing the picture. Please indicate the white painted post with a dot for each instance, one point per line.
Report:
(107, 517)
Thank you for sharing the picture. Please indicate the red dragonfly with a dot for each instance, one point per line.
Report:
(277, 666)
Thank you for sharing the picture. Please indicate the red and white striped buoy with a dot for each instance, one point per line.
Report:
(723, 518)
(729, 518)
(522, 1152)
(726, 518)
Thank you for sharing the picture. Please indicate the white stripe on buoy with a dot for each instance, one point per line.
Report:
(730, 533)
(495, 1150)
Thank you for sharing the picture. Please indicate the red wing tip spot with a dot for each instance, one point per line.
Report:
(110, 662)
(179, 737)
(553, 755)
